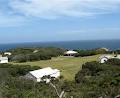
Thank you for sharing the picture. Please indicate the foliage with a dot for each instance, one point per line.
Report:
(17, 70)
(34, 54)
(15, 86)
(83, 53)
(114, 61)
(94, 80)
(99, 80)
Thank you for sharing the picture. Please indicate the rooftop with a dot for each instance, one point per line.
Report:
(42, 72)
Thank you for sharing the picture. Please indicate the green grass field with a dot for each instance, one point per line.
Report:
(69, 66)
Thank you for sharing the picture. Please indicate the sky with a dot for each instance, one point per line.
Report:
(58, 20)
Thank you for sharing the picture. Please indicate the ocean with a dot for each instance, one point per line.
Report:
(110, 44)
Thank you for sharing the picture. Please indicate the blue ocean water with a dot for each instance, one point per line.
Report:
(110, 44)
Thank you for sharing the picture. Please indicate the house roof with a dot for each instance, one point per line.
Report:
(43, 72)
(71, 52)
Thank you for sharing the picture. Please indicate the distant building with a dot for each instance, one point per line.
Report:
(37, 75)
(106, 49)
(3, 60)
(8, 53)
(35, 51)
(105, 58)
(71, 53)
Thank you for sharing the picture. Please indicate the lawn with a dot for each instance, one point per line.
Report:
(69, 66)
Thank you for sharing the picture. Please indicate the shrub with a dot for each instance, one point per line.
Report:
(99, 80)
(113, 61)
(91, 52)
(19, 58)
(24, 55)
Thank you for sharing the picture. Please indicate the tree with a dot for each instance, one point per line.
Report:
(49, 79)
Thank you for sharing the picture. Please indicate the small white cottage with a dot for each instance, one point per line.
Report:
(71, 53)
(103, 59)
(3, 60)
(35, 51)
(37, 75)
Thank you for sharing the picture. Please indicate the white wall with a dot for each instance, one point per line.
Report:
(56, 75)
(103, 60)
(3, 61)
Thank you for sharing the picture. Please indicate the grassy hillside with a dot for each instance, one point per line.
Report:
(69, 66)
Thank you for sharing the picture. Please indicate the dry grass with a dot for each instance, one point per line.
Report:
(69, 66)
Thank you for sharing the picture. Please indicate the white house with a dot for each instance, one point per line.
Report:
(3, 60)
(8, 53)
(37, 75)
(104, 58)
(71, 53)
(35, 51)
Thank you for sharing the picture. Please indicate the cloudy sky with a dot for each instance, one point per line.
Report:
(58, 20)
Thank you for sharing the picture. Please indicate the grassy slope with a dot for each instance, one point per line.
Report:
(69, 66)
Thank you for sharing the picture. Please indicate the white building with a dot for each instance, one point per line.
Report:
(71, 53)
(8, 53)
(37, 75)
(105, 58)
(3, 60)
(35, 51)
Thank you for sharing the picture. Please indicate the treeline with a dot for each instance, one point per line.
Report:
(17, 70)
(91, 52)
(34, 54)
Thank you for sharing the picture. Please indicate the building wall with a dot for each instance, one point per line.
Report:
(3, 61)
(56, 75)
(31, 77)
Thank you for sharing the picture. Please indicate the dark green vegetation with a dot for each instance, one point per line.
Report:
(94, 80)
(91, 52)
(34, 54)
(99, 80)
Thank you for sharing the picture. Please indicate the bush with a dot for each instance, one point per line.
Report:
(18, 70)
(83, 53)
(99, 80)
(24, 55)
(113, 61)
(19, 58)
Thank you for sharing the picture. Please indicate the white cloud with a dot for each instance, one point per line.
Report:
(11, 10)
(8, 19)
(57, 8)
